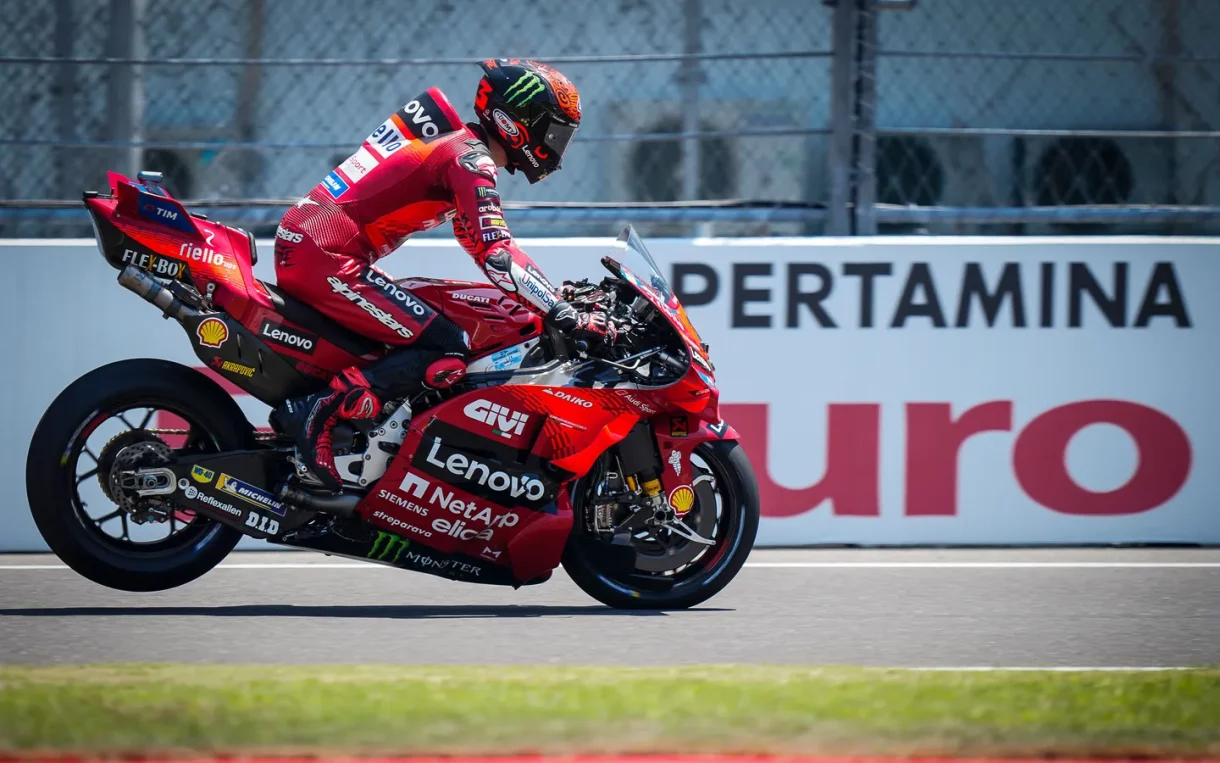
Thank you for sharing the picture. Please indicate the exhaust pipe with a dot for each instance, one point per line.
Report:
(146, 286)
(344, 505)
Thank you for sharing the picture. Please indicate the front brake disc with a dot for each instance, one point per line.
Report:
(670, 551)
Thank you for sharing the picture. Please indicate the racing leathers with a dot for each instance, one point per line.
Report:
(421, 167)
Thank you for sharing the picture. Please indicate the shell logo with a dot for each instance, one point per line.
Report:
(682, 500)
(212, 332)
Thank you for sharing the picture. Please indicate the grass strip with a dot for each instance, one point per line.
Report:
(177, 710)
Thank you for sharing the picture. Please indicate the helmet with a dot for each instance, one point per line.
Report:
(532, 109)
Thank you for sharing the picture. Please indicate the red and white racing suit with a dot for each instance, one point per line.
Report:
(421, 167)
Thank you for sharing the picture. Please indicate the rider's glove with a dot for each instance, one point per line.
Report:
(595, 325)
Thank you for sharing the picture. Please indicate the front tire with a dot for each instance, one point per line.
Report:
(738, 523)
(215, 423)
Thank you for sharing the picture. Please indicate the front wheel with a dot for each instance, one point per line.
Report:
(129, 415)
(671, 571)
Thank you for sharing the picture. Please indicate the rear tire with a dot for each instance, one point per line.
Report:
(51, 484)
(740, 496)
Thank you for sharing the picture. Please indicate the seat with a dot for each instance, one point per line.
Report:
(308, 318)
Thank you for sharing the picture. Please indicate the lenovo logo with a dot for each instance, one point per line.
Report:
(277, 333)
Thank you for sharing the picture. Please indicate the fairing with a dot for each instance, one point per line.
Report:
(483, 473)
(491, 319)
(478, 490)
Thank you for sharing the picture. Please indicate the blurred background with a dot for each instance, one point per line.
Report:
(815, 117)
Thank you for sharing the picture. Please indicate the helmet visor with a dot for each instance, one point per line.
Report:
(557, 136)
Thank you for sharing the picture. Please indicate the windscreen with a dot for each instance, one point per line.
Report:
(641, 269)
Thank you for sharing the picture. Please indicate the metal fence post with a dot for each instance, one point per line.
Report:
(66, 174)
(691, 78)
(865, 122)
(249, 90)
(124, 97)
(842, 107)
(1166, 73)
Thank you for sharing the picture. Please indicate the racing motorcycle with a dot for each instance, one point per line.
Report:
(610, 461)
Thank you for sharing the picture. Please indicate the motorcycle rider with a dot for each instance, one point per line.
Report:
(421, 167)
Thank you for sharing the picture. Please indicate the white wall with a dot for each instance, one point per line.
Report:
(875, 387)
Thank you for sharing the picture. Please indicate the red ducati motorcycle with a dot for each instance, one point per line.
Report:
(614, 462)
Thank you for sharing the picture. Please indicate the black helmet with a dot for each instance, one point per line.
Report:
(532, 109)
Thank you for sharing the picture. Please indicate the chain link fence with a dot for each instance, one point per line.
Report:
(837, 116)
(259, 99)
(1043, 115)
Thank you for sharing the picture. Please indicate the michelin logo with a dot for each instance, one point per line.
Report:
(250, 494)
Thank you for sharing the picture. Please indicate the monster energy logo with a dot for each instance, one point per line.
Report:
(526, 87)
(388, 547)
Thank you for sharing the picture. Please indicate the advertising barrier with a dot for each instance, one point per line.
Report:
(889, 391)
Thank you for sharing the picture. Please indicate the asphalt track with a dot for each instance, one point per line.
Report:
(932, 608)
(625, 759)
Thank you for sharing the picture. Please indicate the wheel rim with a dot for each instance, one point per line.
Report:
(727, 529)
(105, 522)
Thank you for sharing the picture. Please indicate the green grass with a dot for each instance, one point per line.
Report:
(113, 709)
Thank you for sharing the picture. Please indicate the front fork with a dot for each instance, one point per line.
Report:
(656, 460)
(642, 469)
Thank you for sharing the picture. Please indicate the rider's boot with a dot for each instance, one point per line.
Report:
(312, 421)
(356, 394)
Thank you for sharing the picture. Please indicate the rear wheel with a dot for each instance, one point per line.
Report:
(676, 566)
(123, 416)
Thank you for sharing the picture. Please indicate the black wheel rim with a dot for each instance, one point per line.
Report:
(111, 527)
(706, 566)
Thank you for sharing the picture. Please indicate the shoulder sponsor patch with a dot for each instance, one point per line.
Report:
(335, 184)
(422, 118)
(387, 138)
(358, 164)
(486, 192)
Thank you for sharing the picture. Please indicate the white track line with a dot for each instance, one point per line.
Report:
(757, 565)
(1055, 669)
